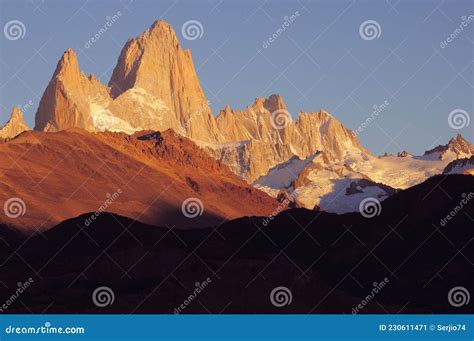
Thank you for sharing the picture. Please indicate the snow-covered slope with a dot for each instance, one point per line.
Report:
(400, 172)
(282, 176)
(340, 186)
(315, 182)
(461, 166)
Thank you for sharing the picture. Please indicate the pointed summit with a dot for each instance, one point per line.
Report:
(155, 65)
(457, 148)
(160, 29)
(153, 86)
(271, 104)
(15, 125)
(69, 97)
(155, 62)
(68, 64)
(460, 145)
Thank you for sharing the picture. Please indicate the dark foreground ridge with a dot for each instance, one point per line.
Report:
(330, 263)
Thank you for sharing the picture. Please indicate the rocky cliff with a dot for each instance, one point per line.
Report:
(14, 126)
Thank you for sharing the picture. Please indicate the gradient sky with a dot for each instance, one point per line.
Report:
(320, 61)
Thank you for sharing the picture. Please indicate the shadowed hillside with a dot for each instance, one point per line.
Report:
(329, 262)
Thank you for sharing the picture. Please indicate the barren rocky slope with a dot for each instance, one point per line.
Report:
(146, 177)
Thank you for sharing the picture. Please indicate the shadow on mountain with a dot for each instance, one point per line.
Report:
(330, 263)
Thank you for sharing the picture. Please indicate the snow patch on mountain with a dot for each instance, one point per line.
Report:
(331, 193)
(462, 166)
(147, 101)
(401, 172)
(283, 175)
(315, 182)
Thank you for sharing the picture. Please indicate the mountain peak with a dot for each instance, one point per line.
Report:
(272, 103)
(16, 114)
(458, 139)
(155, 65)
(160, 24)
(15, 125)
(66, 102)
(154, 85)
(458, 145)
(324, 113)
(162, 31)
(67, 63)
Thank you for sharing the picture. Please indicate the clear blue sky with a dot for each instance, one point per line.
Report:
(338, 71)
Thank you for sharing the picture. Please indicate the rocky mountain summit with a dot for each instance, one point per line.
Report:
(153, 86)
(314, 157)
(264, 135)
(14, 126)
(457, 148)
